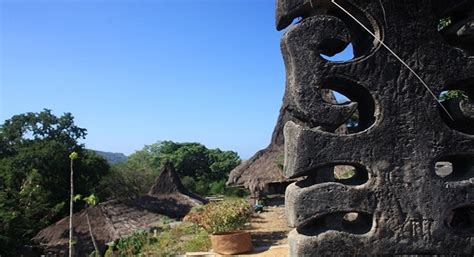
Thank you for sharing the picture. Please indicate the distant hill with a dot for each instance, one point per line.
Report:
(112, 158)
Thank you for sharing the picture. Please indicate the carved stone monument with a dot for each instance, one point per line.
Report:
(412, 187)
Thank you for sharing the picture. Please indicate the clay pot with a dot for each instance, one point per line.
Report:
(232, 242)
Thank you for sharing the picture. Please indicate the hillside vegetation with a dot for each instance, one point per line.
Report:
(111, 158)
(34, 173)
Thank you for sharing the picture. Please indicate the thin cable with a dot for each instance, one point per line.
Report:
(384, 14)
(396, 56)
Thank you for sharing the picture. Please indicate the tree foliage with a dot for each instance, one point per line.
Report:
(453, 94)
(202, 170)
(34, 173)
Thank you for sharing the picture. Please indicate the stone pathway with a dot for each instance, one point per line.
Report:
(269, 228)
(269, 235)
(274, 251)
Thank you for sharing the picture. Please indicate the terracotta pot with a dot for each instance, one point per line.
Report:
(232, 242)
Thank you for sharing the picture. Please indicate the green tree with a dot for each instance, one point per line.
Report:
(189, 159)
(221, 163)
(198, 167)
(147, 159)
(207, 167)
(127, 180)
(34, 173)
(453, 94)
(134, 177)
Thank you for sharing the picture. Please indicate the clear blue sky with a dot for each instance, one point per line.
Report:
(134, 72)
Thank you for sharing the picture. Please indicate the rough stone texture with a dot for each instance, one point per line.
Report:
(266, 166)
(395, 203)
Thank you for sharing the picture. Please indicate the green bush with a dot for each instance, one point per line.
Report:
(453, 94)
(225, 216)
(171, 241)
(179, 239)
(217, 187)
(132, 245)
(444, 23)
(199, 242)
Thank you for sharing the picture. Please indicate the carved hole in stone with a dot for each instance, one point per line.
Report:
(453, 94)
(455, 168)
(352, 123)
(350, 175)
(346, 174)
(461, 219)
(349, 222)
(457, 27)
(443, 169)
(458, 99)
(335, 50)
(343, 172)
(351, 216)
(357, 223)
(334, 97)
(296, 20)
(361, 40)
(343, 89)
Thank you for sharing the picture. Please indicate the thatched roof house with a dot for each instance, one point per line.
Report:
(168, 185)
(114, 219)
(264, 171)
(263, 174)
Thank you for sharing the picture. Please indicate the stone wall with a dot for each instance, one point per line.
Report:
(396, 202)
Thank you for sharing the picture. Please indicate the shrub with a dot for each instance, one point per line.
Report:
(225, 216)
(170, 240)
(179, 239)
(195, 215)
(133, 244)
(198, 242)
(453, 94)
(217, 187)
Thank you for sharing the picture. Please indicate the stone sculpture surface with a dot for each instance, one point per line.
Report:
(397, 202)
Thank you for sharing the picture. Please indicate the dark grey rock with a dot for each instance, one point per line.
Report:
(398, 201)
(467, 29)
(467, 109)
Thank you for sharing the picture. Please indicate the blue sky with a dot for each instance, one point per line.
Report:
(135, 72)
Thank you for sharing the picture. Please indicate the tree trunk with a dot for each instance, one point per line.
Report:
(92, 236)
(71, 200)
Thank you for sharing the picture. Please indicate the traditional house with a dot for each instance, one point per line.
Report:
(114, 219)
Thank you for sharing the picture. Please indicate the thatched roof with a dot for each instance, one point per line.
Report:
(266, 166)
(168, 184)
(114, 219)
(109, 221)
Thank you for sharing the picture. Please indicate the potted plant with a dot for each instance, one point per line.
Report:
(224, 220)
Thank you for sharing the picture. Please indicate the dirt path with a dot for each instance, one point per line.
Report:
(269, 235)
(269, 228)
